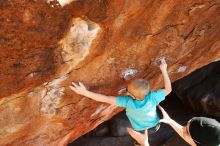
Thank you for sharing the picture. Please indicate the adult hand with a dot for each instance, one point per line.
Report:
(78, 88)
(166, 118)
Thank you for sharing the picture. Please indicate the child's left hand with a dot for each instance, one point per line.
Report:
(79, 89)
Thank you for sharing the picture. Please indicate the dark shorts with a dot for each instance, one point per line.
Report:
(152, 130)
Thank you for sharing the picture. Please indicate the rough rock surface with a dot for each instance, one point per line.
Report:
(201, 89)
(104, 43)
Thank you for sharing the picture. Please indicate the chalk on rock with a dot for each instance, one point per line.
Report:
(181, 69)
(51, 100)
(129, 73)
(156, 61)
(62, 2)
(78, 41)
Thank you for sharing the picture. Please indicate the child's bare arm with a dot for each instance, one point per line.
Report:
(81, 89)
(167, 83)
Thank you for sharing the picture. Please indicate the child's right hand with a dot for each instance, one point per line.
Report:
(79, 89)
(163, 64)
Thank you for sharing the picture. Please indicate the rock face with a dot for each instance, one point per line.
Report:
(46, 44)
(201, 89)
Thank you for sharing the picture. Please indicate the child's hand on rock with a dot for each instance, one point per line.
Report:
(163, 64)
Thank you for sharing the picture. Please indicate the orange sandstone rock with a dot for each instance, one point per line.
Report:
(46, 44)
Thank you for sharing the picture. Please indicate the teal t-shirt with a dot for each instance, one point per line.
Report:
(142, 114)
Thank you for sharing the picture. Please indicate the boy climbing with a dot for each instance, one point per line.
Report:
(140, 104)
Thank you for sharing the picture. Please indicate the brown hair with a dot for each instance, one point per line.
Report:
(138, 88)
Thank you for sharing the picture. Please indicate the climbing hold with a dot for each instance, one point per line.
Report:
(181, 69)
(156, 61)
(129, 73)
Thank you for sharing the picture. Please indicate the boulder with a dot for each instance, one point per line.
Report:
(47, 44)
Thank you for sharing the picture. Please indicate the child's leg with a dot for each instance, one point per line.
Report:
(146, 143)
(140, 138)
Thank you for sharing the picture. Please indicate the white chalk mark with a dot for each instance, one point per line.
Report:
(129, 73)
